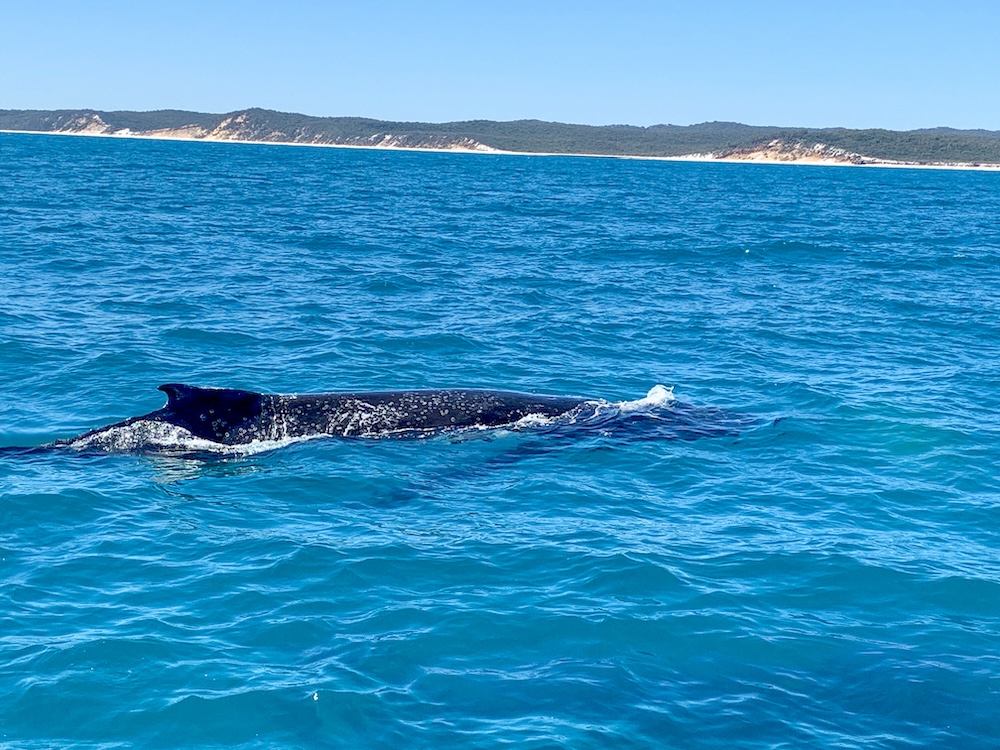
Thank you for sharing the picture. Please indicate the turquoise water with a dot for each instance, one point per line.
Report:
(829, 577)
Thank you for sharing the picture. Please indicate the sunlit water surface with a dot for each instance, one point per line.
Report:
(827, 577)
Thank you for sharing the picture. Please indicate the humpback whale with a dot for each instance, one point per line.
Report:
(224, 421)
(229, 417)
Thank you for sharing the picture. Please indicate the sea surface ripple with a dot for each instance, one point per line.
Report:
(829, 578)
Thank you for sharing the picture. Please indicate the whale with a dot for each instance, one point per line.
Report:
(204, 422)
(230, 417)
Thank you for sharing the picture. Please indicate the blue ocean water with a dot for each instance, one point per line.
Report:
(827, 578)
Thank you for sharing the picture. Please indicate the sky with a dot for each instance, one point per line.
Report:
(897, 65)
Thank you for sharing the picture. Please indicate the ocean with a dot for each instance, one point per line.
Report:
(825, 575)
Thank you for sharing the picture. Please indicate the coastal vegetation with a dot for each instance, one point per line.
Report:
(711, 139)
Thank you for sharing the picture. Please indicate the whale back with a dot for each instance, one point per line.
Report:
(223, 415)
(231, 417)
(368, 413)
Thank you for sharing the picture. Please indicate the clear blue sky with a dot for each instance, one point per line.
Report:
(899, 65)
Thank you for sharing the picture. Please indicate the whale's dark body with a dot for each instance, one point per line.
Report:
(236, 417)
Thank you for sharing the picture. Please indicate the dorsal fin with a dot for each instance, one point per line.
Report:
(181, 397)
(220, 414)
(178, 394)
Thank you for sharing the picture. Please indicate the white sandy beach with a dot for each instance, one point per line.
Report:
(390, 143)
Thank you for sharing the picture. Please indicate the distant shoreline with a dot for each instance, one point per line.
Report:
(773, 152)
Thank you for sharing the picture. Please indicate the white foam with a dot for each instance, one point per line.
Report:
(256, 446)
(139, 435)
(659, 395)
(533, 420)
(163, 437)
